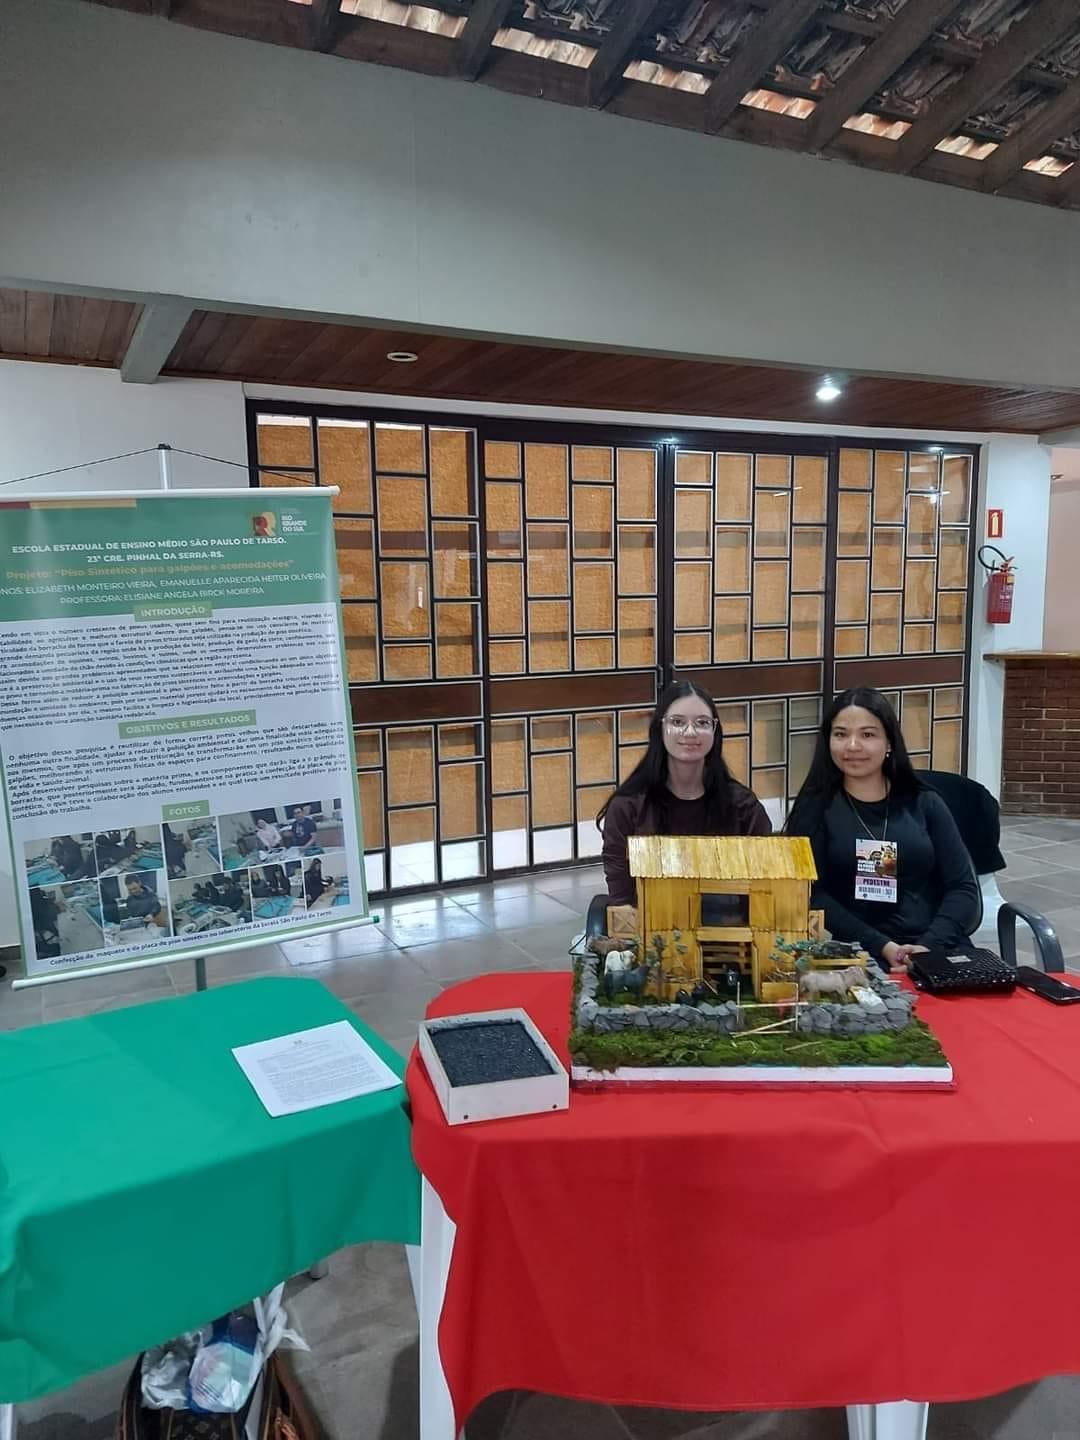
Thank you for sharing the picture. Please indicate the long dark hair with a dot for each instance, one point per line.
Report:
(824, 778)
(649, 775)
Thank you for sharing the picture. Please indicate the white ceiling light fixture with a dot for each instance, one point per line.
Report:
(402, 357)
(828, 389)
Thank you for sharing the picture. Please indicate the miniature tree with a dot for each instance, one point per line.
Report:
(656, 963)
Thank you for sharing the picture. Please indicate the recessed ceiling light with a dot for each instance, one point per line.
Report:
(828, 389)
(402, 357)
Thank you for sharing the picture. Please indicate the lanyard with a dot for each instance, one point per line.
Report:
(863, 823)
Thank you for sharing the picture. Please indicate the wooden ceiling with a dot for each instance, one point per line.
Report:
(306, 353)
(268, 349)
(35, 325)
(879, 83)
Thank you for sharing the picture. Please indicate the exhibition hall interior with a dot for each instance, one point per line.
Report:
(540, 732)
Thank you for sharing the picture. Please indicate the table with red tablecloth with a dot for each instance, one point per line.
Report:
(735, 1250)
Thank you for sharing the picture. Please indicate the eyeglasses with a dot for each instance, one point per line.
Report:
(699, 725)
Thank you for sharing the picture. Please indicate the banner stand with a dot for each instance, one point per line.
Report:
(281, 496)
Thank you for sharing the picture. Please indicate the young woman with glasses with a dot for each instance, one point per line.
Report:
(893, 873)
(681, 786)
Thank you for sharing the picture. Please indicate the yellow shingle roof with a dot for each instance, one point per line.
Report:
(721, 857)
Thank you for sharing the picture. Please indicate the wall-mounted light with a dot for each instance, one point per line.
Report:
(828, 389)
(402, 357)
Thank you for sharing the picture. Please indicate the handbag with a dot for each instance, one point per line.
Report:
(286, 1413)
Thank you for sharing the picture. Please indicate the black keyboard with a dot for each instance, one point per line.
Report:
(943, 972)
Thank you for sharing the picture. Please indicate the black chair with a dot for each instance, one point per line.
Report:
(978, 818)
(596, 918)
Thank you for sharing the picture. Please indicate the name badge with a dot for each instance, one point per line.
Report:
(875, 871)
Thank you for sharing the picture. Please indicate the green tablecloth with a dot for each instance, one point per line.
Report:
(144, 1190)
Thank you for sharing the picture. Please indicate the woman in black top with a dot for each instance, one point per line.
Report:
(681, 786)
(893, 873)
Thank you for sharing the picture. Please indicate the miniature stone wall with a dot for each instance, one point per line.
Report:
(825, 1017)
(819, 1017)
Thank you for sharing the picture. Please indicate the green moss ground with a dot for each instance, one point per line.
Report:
(914, 1045)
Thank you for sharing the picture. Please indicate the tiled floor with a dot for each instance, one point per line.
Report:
(360, 1322)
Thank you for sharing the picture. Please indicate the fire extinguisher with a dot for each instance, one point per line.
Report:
(999, 590)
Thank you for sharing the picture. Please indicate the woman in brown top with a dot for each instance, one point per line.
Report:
(681, 786)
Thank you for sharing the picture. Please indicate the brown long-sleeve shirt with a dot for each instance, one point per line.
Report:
(630, 815)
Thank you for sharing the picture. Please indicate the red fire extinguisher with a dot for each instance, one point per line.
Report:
(999, 590)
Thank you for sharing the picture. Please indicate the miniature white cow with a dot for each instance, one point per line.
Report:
(824, 984)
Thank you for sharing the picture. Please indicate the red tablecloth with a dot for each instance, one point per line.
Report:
(734, 1251)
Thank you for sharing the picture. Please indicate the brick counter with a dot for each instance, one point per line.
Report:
(1040, 733)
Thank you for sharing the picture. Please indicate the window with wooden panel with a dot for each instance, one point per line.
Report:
(551, 773)
(768, 745)
(557, 574)
(407, 531)
(571, 557)
(573, 574)
(902, 582)
(748, 557)
(423, 801)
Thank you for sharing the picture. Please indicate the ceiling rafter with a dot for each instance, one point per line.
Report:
(882, 57)
(1045, 23)
(619, 48)
(758, 53)
(382, 42)
(486, 18)
(1055, 120)
(325, 22)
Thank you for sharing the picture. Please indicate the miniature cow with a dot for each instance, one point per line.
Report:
(826, 984)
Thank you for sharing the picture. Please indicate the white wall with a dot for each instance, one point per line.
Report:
(1016, 478)
(1060, 629)
(53, 416)
(148, 157)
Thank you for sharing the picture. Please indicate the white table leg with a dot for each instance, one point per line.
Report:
(437, 1246)
(897, 1420)
(7, 1422)
(413, 1258)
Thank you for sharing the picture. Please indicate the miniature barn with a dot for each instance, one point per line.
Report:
(768, 879)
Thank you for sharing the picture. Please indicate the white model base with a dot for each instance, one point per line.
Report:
(905, 1077)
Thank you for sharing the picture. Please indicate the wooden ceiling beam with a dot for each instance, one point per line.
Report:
(1055, 120)
(759, 52)
(325, 24)
(618, 48)
(486, 18)
(1045, 23)
(881, 58)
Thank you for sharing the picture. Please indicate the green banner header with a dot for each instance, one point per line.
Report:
(162, 558)
(186, 724)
